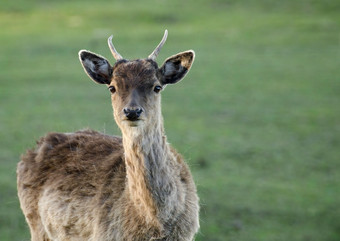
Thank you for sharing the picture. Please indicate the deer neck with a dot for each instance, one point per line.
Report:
(149, 164)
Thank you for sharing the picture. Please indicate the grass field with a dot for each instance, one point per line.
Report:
(257, 118)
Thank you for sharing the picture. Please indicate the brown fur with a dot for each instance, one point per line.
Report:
(90, 186)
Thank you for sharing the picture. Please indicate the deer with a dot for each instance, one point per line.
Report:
(88, 185)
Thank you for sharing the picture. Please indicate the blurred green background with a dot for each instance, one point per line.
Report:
(257, 118)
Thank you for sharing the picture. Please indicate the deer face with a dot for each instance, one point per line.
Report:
(135, 86)
(135, 92)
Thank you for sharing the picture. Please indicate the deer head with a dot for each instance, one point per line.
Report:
(135, 85)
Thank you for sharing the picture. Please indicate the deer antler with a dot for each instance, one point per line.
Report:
(154, 54)
(116, 55)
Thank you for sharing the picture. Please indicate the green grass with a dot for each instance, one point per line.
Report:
(257, 117)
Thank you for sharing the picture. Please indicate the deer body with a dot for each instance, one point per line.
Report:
(90, 186)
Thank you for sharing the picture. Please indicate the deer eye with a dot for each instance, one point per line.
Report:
(157, 88)
(112, 89)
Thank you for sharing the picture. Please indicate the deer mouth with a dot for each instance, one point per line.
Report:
(133, 123)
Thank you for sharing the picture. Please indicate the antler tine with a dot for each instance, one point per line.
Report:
(114, 52)
(155, 53)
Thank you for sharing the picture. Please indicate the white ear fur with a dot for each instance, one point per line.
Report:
(168, 68)
(102, 66)
(88, 64)
(96, 67)
(177, 66)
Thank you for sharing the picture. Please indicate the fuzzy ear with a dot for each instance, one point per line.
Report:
(176, 67)
(96, 67)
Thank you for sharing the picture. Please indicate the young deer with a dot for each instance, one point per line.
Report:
(91, 186)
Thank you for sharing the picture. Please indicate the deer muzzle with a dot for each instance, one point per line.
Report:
(132, 114)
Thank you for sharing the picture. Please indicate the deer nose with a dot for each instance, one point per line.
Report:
(132, 114)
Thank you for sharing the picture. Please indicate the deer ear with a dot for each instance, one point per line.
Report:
(96, 67)
(176, 67)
